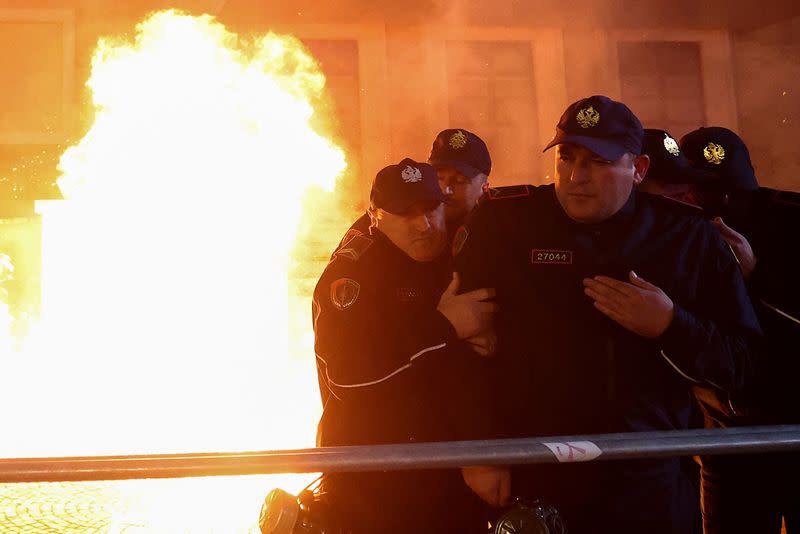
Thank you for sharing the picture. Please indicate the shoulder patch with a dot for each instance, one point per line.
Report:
(350, 234)
(459, 239)
(510, 191)
(354, 244)
(344, 293)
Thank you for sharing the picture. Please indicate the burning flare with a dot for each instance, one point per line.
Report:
(165, 322)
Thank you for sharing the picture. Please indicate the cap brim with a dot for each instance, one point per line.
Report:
(401, 207)
(684, 175)
(605, 148)
(464, 168)
(694, 175)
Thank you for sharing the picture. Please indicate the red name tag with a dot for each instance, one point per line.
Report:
(545, 255)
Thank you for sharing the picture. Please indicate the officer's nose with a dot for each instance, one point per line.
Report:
(422, 223)
(580, 173)
(446, 188)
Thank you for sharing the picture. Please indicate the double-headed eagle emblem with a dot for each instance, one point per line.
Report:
(458, 140)
(714, 153)
(411, 174)
(671, 145)
(587, 117)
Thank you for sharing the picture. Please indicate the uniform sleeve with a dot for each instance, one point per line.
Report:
(776, 288)
(476, 256)
(359, 227)
(474, 251)
(718, 341)
(360, 344)
(773, 282)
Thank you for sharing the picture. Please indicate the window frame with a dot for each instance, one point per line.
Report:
(66, 17)
(549, 78)
(372, 85)
(716, 67)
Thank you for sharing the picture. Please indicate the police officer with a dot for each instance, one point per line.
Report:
(671, 175)
(463, 164)
(611, 305)
(392, 363)
(752, 493)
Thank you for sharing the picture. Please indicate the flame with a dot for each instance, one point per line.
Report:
(6, 317)
(169, 320)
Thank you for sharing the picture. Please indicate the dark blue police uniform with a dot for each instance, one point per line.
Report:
(392, 370)
(564, 368)
(753, 493)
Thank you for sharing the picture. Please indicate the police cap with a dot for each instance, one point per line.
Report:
(606, 127)
(668, 164)
(398, 188)
(723, 153)
(462, 150)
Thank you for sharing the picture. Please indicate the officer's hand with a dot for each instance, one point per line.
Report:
(739, 245)
(639, 306)
(484, 344)
(468, 312)
(490, 483)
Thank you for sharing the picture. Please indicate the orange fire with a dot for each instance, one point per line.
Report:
(6, 317)
(169, 321)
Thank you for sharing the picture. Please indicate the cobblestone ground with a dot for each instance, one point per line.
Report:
(213, 505)
(218, 505)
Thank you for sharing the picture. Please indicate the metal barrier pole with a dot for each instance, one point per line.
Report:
(761, 439)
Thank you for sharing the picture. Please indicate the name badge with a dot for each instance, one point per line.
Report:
(551, 256)
(408, 294)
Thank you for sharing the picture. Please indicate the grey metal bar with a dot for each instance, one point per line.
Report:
(407, 456)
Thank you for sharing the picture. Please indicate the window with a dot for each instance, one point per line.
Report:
(662, 82)
(33, 99)
(491, 92)
(35, 102)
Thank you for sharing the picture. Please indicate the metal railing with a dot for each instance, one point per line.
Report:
(758, 439)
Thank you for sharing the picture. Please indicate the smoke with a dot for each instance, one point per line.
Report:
(767, 70)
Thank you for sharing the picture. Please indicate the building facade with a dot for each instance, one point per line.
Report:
(398, 74)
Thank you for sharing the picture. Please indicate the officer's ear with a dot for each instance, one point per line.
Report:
(640, 165)
(485, 179)
(374, 216)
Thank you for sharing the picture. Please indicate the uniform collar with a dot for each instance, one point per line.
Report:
(395, 252)
(401, 258)
(621, 217)
(627, 210)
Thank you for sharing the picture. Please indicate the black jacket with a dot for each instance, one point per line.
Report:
(769, 220)
(391, 370)
(564, 368)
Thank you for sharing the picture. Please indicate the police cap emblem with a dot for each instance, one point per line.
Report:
(714, 153)
(344, 293)
(671, 145)
(458, 140)
(587, 117)
(411, 174)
